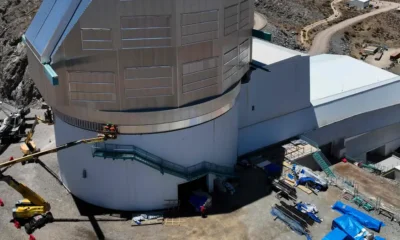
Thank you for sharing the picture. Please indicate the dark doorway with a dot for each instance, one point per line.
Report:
(185, 191)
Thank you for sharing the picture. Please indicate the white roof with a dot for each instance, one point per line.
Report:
(389, 163)
(269, 53)
(338, 76)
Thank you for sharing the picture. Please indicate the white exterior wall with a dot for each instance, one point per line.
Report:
(275, 130)
(281, 100)
(372, 140)
(282, 90)
(358, 4)
(130, 185)
(391, 147)
(356, 125)
(397, 174)
(336, 108)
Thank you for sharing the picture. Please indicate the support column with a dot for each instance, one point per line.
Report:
(210, 182)
(338, 149)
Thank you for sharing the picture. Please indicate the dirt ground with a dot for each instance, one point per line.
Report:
(347, 13)
(370, 184)
(385, 61)
(244, 215)
(380, 30)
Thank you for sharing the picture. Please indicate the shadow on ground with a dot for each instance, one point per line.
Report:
(252, 184)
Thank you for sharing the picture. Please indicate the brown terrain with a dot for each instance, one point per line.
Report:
(383, 29)
(370, 184)
(347, 13)
(380, 30)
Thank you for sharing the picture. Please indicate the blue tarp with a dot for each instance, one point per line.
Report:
(363, 218)
(350, 226)
(301, 206)
(335, 234)
(304, 180)
(353, 229)
(197, 201)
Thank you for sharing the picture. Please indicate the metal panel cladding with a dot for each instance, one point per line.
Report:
(143, 55)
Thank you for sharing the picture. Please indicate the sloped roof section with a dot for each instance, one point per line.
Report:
(269, 53)
(335, 75)
(50, 25)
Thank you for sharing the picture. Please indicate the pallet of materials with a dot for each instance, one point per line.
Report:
(301, 187)
(298, 226)
(296, 213)
(285, 189)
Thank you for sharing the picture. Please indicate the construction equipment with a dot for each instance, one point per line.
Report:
(33, 210)
(307, 176)
(14, 125)
(284, 190)
(360, 202)
(48, 117)
(28, 146)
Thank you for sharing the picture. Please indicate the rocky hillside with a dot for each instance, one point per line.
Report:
(15, 83)
(286, 18)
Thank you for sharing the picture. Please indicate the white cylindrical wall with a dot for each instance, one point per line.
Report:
(130, 185)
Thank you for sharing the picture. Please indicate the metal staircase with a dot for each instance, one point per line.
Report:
(130, 152)
(319, 157)
(323, 163)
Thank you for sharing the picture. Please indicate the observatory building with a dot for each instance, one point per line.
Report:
(166, 72)
(191, 89)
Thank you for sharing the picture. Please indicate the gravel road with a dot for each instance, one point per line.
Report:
(321, 41)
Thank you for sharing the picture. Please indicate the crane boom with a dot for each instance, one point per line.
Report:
(100, 138)
(33, 210)
(26, 192)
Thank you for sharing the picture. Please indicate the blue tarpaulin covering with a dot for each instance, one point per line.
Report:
(197, 201)
(304, 180)
(353, 229)
(335, 234)
(361, 217)
(350, 226)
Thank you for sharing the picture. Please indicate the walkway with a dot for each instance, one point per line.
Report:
(130, 152)
(321, 42)
(336, 14)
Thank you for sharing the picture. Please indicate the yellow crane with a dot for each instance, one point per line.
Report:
(33, 210)
(28, 146)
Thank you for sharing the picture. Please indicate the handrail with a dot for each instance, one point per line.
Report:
(164, 166)
(309, 141)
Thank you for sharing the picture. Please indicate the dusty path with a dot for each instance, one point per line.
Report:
(336, 14)
(321, 41)
(259, 21)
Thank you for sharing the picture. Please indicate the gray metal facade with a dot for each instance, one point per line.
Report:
(126, 56)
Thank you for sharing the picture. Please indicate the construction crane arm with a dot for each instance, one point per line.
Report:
(100, 138)
(26, 192)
